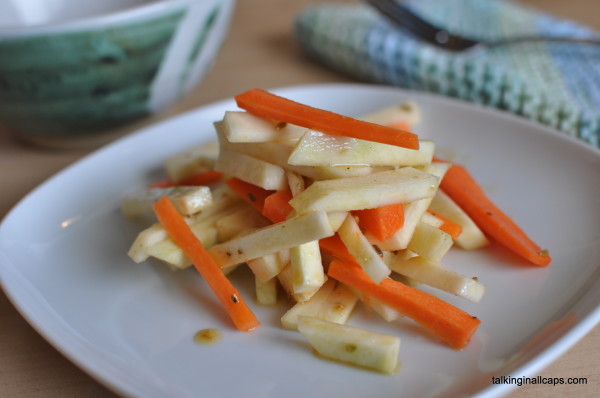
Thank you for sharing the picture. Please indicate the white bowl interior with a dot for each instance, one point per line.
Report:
(21, 13)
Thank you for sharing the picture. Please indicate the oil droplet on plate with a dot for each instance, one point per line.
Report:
(207, 336)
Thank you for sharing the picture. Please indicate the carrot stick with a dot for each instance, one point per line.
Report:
(451, 324)
(448, 226)
(460, 185)
(400, 125)
(334, 246)
(201, 178)
(276, 206)
(382, 222)
(162, 183)
(182, 235)
(250, 193)
(264, 104)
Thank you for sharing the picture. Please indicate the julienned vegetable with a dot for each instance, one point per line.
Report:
(382, 222)
(250, 193)
(300, 217)
(334, 246)
(468, 194)
(264, 104)
(200, 178)
(277, 207)
(447, 225)
(180, 232)
(449, 323)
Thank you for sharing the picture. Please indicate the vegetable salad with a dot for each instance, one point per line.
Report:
(335, 212)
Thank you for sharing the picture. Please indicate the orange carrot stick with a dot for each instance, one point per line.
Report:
(448, 226)
(460, 185)
(401, 125)
(201, 178)
(162, 183)
(264, 104)
(276, 207)
(182, 235)
(334, 246)
(382, 222)
(451, 324)
(250, 193)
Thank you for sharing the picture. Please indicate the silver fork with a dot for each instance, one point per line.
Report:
(405, 18)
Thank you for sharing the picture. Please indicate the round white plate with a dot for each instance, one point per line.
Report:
(63, 263)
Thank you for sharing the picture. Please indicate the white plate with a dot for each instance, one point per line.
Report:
(64, 266)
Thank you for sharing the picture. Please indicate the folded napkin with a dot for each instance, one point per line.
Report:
(554, 83)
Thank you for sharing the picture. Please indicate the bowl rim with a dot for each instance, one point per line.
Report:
(128, 15)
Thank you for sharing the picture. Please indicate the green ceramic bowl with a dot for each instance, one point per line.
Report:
(86, 67)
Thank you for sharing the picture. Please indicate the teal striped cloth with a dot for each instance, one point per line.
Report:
(556, 84)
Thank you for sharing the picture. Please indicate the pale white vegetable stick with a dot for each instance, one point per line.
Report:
(307, 269)
(138, 251)
(407, 112)
(186, 199)
(350, 344)
(285, 278)
(362, 250)
(431, 219)
(295, 182)
(170, 253)
(252, 170)
(336, 218)
(471, 237)
(430, 242)
(238, 221)
(438, 169)
(245, 127)
(224, 198)
(403, 185)
(270, 265)
(318, 149)
(266, 292)
(385, 311)
(333, 302)
(205, 230)
(339, 305)
(279, 152)
(284, 235)
(437, 276)
(228, 203)
(191, 161)
(289, 320)
(190, 200)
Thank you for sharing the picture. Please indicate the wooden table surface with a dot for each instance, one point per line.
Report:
(259, 52)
